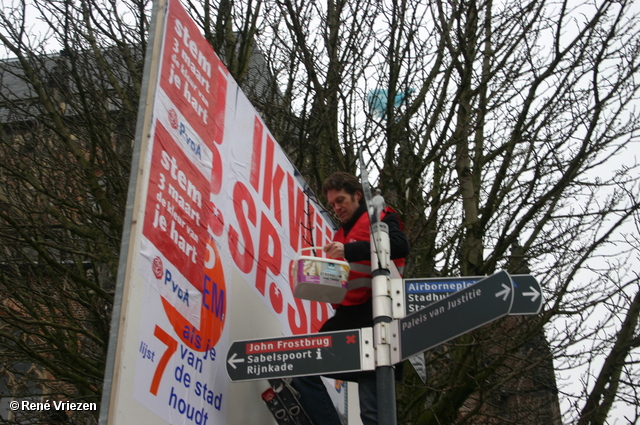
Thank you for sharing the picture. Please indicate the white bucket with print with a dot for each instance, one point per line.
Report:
(319, 278)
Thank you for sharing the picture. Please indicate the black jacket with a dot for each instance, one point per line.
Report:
(360, 251)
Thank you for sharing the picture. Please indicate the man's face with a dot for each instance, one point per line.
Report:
(343, 203)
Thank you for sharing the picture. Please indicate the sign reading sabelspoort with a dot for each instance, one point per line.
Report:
(313, 354)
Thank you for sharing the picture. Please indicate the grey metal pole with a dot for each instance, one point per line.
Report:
(382, 303)
(382, 317)
(143, 126)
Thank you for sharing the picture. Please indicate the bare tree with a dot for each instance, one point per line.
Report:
(70, 87)
(67, 126)
(498, 127)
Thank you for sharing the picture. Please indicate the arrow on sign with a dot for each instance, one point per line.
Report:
(533, 294)
(528, 295)
(504, 293)
(233, 360)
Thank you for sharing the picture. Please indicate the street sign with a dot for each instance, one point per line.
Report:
(311, 354)
(420, 293)
(527, 298)
(468, 309)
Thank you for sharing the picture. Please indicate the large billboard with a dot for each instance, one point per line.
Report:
(220, 215)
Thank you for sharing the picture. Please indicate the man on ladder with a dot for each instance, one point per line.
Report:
(346, 197)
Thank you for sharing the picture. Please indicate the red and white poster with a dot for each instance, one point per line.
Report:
(225, 214)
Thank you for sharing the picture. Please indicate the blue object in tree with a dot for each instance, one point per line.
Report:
(378, 99)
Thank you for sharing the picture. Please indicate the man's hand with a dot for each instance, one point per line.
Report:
(334, 250)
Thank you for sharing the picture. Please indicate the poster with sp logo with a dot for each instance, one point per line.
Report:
(224, 215)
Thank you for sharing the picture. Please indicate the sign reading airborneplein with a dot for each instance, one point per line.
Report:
(422, 292)
(419, 293)
(314, 354)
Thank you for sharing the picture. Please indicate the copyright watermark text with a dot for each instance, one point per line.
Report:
(51, 405)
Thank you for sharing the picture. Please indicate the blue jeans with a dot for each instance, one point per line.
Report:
(368, 396)
(316, 401)
(313, 394)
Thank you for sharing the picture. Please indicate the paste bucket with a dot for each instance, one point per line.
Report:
(320, 279)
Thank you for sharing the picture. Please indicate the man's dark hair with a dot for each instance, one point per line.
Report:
(342, 180)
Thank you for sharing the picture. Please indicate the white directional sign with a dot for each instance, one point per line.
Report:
(462, 312)
(312, 354)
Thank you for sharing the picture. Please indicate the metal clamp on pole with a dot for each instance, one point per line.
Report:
(380, 292)
(382, 340)
(397, 298)
(380, 246)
